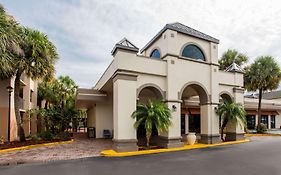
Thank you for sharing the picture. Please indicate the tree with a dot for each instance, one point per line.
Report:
(152, 114)
(231, 56)
(59, 109)
(233, 113)
(37, 62)
(9, 47)
(264, 74)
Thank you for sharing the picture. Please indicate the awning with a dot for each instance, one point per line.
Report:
(255, 112)
(85, 98)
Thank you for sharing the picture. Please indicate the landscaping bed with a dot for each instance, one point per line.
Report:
(38, 138)
(16, 144)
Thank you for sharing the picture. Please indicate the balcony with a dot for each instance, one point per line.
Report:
(21, 102)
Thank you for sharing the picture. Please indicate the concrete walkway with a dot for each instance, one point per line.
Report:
(80, 148)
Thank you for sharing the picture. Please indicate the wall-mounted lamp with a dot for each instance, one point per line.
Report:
(174, 107)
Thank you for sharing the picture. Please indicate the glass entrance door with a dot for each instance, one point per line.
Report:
(251, 121)
(194, 123)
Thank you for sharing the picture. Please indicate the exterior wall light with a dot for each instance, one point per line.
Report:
(10, 90)
(174, 107)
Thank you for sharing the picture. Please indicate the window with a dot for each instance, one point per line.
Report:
(264, 120)
(272, 122)
(155, 54)
(251, 121)
(31, 95)
(192, 51)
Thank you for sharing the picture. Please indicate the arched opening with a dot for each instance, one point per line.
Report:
(193, 96)
(225, 97)
(146, 94)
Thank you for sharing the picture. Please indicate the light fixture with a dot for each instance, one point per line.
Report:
(10, 90)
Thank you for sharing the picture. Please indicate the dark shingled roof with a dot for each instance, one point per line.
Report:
(272, 95)
(125, 44)
(182, 29)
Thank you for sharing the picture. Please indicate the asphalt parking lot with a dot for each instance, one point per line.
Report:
(261, 156)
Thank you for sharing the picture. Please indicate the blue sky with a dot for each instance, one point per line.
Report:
(85, 31)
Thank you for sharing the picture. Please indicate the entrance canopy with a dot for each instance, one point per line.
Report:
(85, 98)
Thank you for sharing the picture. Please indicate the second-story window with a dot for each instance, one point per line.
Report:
(155, 54)
(192, 51)
(31, 95)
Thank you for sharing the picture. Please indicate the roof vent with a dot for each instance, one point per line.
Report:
(125, 44)
(234, 68)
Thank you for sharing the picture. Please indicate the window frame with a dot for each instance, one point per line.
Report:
(197, 46)
(153, 50)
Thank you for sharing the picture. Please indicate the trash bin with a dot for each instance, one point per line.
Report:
(91, 132)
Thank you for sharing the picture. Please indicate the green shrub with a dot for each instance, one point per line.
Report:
(261, 128)
(47, 135)
(35, 137)
(64, 136)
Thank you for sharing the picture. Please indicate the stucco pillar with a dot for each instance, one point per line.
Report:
(209, 124)
(256, 120)
(124, 104)
(235, 131)
(186, 124)
(172, 138)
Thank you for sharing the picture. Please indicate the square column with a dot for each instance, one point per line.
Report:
(236, 131)
(172, 138)
(209, 124)
(124, 104)
(186, 124)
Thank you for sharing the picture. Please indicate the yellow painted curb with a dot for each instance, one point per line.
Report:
(112, 153)
(261, 135)
(35, 146)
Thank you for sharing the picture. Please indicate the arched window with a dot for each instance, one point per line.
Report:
(192, 51)
(155, 54)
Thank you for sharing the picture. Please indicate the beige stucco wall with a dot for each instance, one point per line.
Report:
(172, 42)
(278, 120)
(124, 104)
(104, 116)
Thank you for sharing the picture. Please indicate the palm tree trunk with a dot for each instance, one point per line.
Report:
(259, 106)
(222, 128)
(148, 135)
(21, 134)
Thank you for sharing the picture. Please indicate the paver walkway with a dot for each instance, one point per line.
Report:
(80, 148)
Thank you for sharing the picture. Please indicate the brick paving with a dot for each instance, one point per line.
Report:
(80, 148)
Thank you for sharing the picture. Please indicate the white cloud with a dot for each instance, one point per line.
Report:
(85, 31)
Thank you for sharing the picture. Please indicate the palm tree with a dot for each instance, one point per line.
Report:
(37, 62)
(231, 56)
(264, 74)
(9, 47)
(152, 114)
(231, 112)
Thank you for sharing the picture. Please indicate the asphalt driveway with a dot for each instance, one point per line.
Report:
(259, 157)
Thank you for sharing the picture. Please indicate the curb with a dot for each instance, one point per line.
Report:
(35, 146)
(261, 135)
(112, 153)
